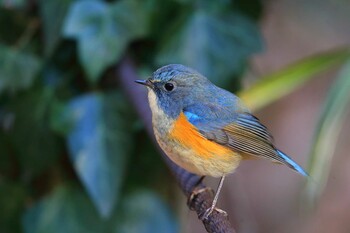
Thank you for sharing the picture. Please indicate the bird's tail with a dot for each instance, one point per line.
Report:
(290, 163)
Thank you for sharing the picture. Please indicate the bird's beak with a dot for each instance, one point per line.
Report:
(145, 82)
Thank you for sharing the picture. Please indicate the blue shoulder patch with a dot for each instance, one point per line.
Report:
(191, 117)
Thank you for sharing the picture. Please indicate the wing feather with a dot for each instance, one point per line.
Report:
(247, 135)
(238, 130)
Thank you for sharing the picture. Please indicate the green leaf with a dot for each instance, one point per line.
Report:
(217, 45)
(12, 198)
(66, 210)
(85, 18)
(99, 144)
(328, 128)
(12, 3)
(144, 212)
(32, 140)
(103, 31)
(253, 8)
(17, 69)
(98, 41)
(207, 4)
(60, 121)
(53, 13)
(99, 52)
(135, 25)
(272, 87)
(5, 151)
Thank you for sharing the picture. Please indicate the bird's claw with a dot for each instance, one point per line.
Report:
(195, 192)
(220, 211)
(207, 212)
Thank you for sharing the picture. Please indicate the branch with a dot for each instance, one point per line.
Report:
(188, 182)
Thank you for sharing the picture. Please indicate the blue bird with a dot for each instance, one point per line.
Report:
(204, 128)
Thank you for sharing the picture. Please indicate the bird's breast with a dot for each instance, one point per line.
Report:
(188, 136)
(185, 146)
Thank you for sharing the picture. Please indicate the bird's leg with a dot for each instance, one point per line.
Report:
(199, 181)
(206, 214)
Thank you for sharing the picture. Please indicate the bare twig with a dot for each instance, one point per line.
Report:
(189, 183)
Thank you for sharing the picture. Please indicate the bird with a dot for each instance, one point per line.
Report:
(205, 129)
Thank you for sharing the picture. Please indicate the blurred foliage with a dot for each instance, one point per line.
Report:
(326, 135)
(273, 86)
(101, 127)
(224, 40)
(276, 85)
(74, 158)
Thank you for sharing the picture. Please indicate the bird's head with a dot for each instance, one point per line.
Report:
(176, 87)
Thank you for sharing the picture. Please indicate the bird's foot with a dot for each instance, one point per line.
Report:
(194, 193)
(207, 213)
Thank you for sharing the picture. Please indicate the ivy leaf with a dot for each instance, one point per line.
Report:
(99, 144)
(29, 132)
(217, 45)
(60, 118)
(100, 51)
(103, 31)
(98, 45)
(53, 13)
(11, 4)
(17, 69)
(144, 212)
(136, 25)
(12, 198)
(66, 210)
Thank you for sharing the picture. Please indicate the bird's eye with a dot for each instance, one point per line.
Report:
(169, 86)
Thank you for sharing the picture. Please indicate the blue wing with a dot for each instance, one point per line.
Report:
(238, 130)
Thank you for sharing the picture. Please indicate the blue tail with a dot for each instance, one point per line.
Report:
(292, 164)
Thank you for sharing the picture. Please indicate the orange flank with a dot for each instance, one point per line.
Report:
(188, 136)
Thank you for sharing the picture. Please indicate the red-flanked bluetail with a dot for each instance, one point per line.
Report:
(206, 129)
